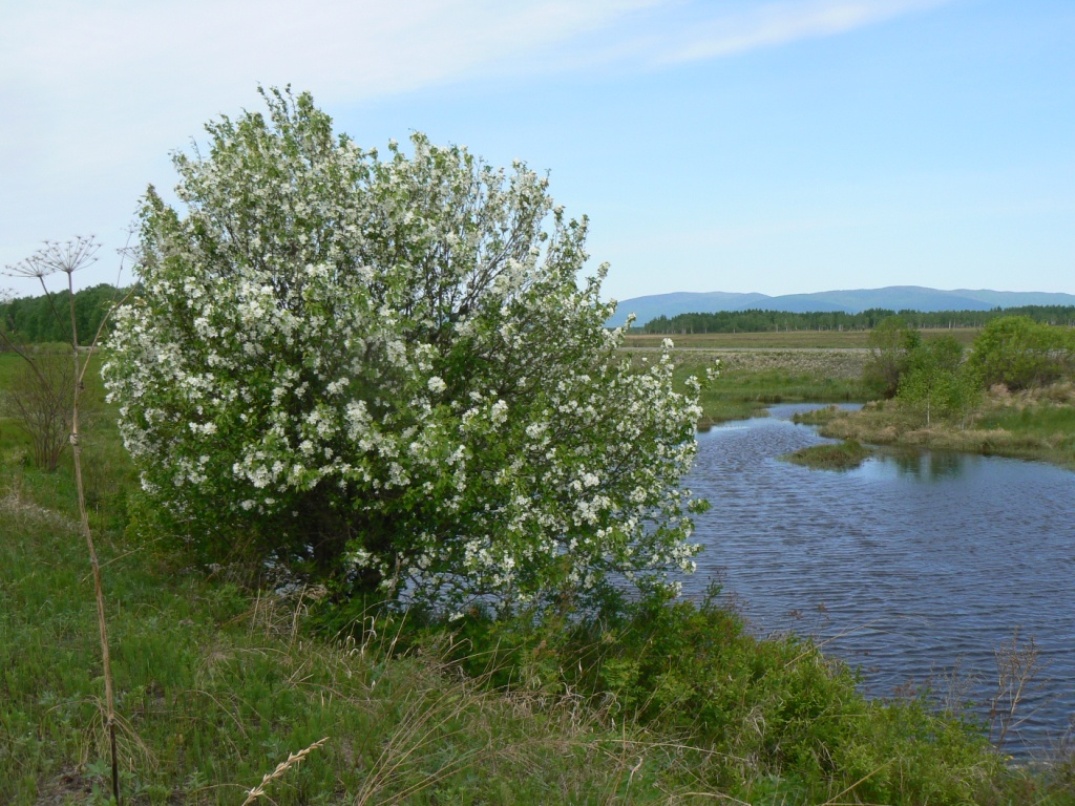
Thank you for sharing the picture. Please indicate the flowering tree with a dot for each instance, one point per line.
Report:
(383, 372)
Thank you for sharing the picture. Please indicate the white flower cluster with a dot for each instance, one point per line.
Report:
(387, 366)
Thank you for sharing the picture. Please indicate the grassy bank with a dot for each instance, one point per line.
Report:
(752, 379)
(217, 685)
(1035, 424)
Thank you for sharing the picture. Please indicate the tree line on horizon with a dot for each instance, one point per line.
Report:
(38, 320)
(756, 320)
(31, 320)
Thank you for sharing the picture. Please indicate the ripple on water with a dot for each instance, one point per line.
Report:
(912, 568)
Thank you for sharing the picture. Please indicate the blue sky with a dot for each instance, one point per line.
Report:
(776, 147)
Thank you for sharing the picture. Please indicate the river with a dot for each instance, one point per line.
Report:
(918, 570)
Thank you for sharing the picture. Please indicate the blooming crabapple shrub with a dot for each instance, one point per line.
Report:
(382, 372)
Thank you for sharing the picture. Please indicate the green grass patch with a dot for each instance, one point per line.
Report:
(845, 455)
(1055, 423)
(8, 363)
(751, 381)
(647, 702)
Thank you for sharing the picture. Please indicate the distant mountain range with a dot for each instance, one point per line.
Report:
(896, 298)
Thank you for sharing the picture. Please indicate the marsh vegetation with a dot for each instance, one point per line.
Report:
(1006, 389)
(831, 456)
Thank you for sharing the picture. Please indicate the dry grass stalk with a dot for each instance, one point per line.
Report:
(1018, 665)
(293, 759)
(423, 723)
(67, 258)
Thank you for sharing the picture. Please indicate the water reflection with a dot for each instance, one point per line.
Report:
(919, 465)
(915, 567)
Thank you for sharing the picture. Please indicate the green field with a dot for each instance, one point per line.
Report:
(761, 369)
(782, 340)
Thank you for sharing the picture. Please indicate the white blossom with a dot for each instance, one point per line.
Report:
(301, 363)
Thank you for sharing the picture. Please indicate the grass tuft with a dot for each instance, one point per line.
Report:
(846, 455)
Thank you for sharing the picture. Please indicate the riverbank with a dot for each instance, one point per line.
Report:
(217, 684)
(1036, 424)
(753, 378)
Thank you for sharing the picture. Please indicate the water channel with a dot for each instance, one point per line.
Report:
(916, 569)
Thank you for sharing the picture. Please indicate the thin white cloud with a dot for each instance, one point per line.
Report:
(663, 33)
(96, 94)
(85, 85)
(75, 55)
(359, 49)
(774, 24)
(657, 35)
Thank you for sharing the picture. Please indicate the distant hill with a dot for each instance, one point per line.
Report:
(896, 298)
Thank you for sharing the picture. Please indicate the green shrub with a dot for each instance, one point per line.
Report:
(765, 719)
(389, 375)
(1020, 353)
(891, 344)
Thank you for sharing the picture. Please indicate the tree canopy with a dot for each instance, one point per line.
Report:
(1018, 352)
(41, 319)
(383, 372)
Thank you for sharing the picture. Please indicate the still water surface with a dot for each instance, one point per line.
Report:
(914, 569)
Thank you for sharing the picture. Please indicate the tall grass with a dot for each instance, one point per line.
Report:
(217, 687)
(220, 687)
